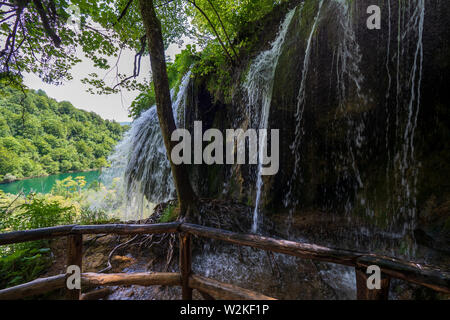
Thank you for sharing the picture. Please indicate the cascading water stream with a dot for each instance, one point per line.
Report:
(408, 162)
(259, 89)
(353, 103)
(139, 164)
(299, 131)
(352, 109)
(349, 76)
(406, 105)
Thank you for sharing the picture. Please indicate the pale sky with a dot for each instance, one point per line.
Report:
(113, 106)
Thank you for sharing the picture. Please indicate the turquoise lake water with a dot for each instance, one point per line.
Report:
(45, 184)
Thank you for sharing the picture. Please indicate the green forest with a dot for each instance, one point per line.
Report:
(40, 136)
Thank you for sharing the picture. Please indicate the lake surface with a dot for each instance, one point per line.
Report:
(45, 184)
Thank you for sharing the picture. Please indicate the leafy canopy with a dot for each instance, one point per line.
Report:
(40, 37)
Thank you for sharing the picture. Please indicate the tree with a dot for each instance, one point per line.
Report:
(8, 161)
(186, 195)
(4, 128)
(100, 163)
(55, 128)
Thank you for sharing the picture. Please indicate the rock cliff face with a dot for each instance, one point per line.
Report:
(363, 115)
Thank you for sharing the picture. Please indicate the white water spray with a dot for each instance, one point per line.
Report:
(259, 88)
(301, 100)
(416, 24)
(140, 169)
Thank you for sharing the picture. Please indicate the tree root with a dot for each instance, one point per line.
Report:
(273, 263)
(214, 213)
(91, 241)
(109, 267)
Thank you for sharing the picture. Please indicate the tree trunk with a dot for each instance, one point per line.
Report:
(186, 195)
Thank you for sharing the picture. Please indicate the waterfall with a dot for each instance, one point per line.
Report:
(353, 189)
(408, 75)
(351, 100)
(301, 100)
(141, 172)
(139, 165)
(405, 153)
(259, 88)
(350, 78)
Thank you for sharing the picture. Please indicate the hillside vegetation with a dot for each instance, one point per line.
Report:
(40, 136)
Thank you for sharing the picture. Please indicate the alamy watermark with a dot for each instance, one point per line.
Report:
(74, 20)
(374, 20)
(374, 280)
(73, 281)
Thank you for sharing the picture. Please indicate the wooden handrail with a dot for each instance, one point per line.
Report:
(302, 250)
(213, 287)
(416, 273)
(62, 231)
(32, 288)
(125, 279)
(409, 271)
(43, 285)
(35, 234)
(128, 229)
(436, 279)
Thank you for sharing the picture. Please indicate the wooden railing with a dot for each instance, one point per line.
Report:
(435, 279)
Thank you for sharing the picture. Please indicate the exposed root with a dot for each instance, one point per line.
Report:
(273, 263)
(109, 267)
(91, 241)
(170, 252)
(222, 214)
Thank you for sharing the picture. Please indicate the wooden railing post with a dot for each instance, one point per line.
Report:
(185, 265)
(362, 290)
(74, 257)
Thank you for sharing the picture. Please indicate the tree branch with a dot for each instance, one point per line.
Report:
(9, 44)
(137, 63)
(9, 17)
(45, 22)
(214, 29)
(223, 28)
(124, 12)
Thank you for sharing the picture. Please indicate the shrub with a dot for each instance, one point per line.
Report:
(24, 264)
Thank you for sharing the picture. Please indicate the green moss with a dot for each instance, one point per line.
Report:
(249, 201)
(307, 18)
(169, 214)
